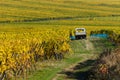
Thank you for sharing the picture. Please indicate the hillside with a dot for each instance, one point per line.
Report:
(39, 10)
(35, 37)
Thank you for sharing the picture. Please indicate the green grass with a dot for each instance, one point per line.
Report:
(53, 67)
(44, 74)
(81, 69)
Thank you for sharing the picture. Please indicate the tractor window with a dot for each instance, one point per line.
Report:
(80, 30)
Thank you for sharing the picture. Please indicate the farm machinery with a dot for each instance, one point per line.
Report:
(79, 33)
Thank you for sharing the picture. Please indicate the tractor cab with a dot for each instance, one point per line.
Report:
(79, 33)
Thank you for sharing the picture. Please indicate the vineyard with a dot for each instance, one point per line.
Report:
(32, 32)
(17, 54)
(82, 11)
(19, 51)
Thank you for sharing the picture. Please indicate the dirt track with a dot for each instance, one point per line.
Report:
(69, 71)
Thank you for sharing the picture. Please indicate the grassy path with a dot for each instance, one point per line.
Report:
(73, 66)
(83, 48)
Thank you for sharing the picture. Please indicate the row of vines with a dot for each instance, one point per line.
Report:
(19, 52)
(113, 35)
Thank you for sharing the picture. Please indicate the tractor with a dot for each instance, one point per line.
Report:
(79, 33)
